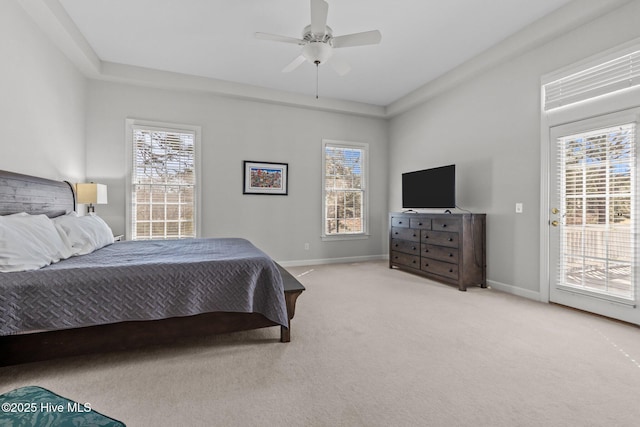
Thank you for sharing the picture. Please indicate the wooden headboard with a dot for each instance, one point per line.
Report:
(25, 193)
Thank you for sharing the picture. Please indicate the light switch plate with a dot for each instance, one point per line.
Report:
(518, 207)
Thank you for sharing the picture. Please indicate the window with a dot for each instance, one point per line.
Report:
(621, 72)
(344, 196)
(162, 190)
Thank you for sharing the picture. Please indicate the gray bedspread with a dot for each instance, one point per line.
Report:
(143, 280)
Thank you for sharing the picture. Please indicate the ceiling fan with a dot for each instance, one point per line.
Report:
(318, 41)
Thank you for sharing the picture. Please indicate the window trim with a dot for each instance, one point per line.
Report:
(130, 124)
(364, 146)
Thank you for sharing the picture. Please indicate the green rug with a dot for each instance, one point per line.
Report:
(38, 407)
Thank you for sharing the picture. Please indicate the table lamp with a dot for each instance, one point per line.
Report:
(91, 193)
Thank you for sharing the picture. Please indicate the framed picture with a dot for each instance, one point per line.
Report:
(265, 178)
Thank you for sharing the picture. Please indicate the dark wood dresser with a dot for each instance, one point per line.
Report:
(450, 248)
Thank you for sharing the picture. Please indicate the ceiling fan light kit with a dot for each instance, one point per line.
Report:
(317, 52)
(318, 42)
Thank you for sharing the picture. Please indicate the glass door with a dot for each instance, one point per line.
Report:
(592, 227)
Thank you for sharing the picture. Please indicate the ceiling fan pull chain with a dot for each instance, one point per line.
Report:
(317, 72)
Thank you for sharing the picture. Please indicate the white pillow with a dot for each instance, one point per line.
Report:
(86, 233)
(29, 242)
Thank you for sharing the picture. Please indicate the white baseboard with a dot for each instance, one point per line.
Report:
(319, 261)
(514, 290)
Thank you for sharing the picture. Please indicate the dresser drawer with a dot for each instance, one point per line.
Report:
(440, 268)
(405, 234)
(441, 238)
(412, 261)
(399, 221)
(440, 252)
(420, 223)
(405, 246)
(446, 224)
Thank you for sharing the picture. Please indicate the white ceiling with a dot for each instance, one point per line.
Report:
(421, 39)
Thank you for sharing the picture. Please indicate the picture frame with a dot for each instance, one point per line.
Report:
(265, 178)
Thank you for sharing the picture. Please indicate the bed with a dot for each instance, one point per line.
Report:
(132, 294)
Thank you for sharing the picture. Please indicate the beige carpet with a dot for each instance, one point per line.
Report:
(373, 347)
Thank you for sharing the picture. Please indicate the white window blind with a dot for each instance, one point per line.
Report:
(611, 76)
(598, 198)
(344, 189)
(163, 184)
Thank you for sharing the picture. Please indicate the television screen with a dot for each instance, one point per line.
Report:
(430, 188)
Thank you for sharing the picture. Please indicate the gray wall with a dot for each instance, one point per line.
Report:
(236, 130)
(490, 128)
(59, 125)
(42, 98)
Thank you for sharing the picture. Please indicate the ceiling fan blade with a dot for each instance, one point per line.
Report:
(277, 38)
(319, 11)
(339, 65)
(294, 64)
(358, 39)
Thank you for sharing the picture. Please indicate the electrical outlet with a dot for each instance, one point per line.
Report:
(518, 207)
(306, 246)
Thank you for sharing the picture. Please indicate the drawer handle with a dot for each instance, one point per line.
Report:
(426, 264)
(444, 225)
(414, 261)
(396, 232)
(451, 270)
(426, 250)
(426, 236)
(399, 222)
(397, 245)
(450, 239)
(413, 248)
(450, 255)
(414, 234)
(419, 223)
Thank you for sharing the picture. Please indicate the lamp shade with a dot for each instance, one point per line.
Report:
(92, 193)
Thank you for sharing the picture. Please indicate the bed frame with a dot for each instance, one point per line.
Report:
(24, 193)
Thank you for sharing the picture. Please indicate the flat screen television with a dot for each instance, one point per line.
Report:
(430, 188)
